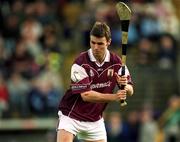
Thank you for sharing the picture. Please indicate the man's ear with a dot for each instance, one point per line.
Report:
(109, 42)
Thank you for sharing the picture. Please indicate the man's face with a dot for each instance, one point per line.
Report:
(99, 46)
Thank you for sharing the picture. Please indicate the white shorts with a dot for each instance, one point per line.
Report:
(91, 131)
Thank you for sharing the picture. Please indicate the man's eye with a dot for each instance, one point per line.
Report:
(100, 43)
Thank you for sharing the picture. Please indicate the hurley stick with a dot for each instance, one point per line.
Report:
(124, 14)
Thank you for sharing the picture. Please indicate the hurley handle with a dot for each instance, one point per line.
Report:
(123, 102)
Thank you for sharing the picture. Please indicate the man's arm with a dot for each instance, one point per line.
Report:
(93, 96)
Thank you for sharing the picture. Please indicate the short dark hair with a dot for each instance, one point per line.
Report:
(101, 29)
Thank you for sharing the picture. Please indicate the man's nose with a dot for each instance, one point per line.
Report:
(95, 46)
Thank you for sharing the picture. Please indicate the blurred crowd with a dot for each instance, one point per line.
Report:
(38, 39)
(30, 59)
(144, 125)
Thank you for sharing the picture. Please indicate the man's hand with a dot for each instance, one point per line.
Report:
(121, 95)
(121, 80)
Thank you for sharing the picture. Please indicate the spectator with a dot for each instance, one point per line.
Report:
(165, 11)
(11, 27)
(18, 88)
(148, 127)
(116, 129)
(43, 98)
(133, 126)
(4, 97)
(22, 61)
(52, 49)
(149, 25)
(44, 13)
(146, 55)
(31, 31)
(170, 120)
(3, 58)
(167, 52)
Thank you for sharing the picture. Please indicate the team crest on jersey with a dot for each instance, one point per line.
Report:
(110, 73)
(91, 73)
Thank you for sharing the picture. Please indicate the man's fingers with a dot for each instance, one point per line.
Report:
(123, 98)
(121, 94)
(121, 79)
(117, 76)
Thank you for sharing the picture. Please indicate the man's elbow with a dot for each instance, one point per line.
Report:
(85, 96)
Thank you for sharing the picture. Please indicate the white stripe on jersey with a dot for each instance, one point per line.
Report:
(126, 71)
(78, 73)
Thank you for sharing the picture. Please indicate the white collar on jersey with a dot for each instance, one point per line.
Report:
(93, 59)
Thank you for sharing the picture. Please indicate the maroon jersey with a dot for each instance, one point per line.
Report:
(87, 74)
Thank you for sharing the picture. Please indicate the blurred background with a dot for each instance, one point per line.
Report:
(39, 40)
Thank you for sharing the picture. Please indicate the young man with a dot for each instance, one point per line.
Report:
(94, 75)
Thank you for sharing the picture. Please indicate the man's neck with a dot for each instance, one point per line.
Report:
(101, 60)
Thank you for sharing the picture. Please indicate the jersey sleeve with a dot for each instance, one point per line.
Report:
(127, 73)
(79, 79)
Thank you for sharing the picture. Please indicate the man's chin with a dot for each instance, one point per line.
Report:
(96, 56)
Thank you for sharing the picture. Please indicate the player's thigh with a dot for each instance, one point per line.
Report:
(64, 136)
